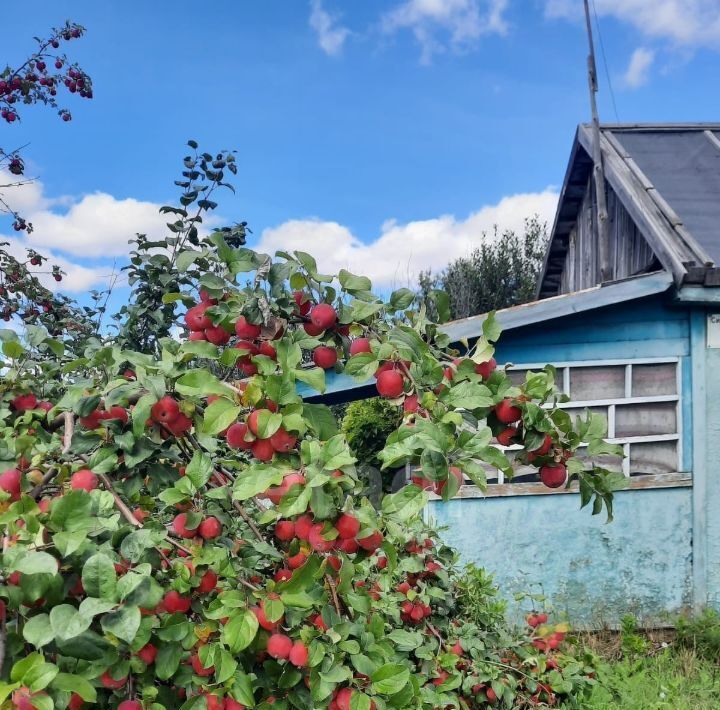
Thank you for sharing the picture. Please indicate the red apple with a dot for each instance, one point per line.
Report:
(245, 329)
(84, 479)
(390, 384)
(554, 475)
(325, 357)
(323, 316)
(507, 412)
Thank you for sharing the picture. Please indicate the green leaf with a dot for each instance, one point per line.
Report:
(167, 660)
(123, 623)
(199, 469)
(99, 577)
(134, 545)
(442, 304)
(255, 480)
(268, 423)
(71, 511)
(141, 413)
(240, 631)
(69, 542)
(405, 504)
(469, 395)
(390, 679)
(103, 461)
(35, 563)
(491, 328)
(313, 376)
(200, 382)
(67, 622)
(359, 701)
(405, 641)
(37, 631)
(39, 677)
(72, 683)
(219, 416)
(185, 259)
(200, 348)
(361, 366)
(321, 420)
(351, 283)
(242, 690)
(225, 665)
(401, 299)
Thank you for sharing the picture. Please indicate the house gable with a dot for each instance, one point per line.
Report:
(644, 231)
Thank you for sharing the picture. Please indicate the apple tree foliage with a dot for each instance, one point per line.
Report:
(181, 530)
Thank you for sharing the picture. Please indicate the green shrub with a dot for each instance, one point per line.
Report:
(367, 424)
(701, 633)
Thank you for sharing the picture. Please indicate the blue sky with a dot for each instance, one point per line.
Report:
(384, 136)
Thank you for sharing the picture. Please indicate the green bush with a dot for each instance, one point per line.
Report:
(701, 633)
(367, 424)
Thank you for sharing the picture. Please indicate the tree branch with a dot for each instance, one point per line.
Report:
(333, 593)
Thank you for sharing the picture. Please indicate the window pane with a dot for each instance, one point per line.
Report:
(651, 380)
(597, 383)
(652, 458)
(645, 419)
(517, 377)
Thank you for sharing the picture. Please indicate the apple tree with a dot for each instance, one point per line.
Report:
(182, 530)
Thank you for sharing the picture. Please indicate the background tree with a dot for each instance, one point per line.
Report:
(367, 423)
(501, 272)
(39, 79)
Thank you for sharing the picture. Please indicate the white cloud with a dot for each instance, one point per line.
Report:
(98, 225)
(638, 68)
(331, 36)
(682, 22)
(401, 251)
(94, 228)
(463, 21)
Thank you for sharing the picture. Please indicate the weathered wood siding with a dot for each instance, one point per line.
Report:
(629, 252)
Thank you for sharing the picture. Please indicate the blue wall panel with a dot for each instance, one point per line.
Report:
(642, 563)
(593, 572)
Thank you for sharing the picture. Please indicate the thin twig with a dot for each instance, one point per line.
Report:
(68, 432)
(333, 592)
(126, 512)
(69, 422)
(250, 522)
(249, 585)
(49, 475)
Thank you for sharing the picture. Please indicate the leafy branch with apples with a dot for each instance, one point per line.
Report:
(182, 530)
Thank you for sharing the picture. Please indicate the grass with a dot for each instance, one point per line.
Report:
(656, 670)
(672, 679)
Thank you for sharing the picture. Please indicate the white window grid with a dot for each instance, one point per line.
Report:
(564, 368)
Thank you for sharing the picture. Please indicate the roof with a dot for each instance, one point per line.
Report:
(668, 179)
(564, 305)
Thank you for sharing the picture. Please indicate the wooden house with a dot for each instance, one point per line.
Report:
(642, 346)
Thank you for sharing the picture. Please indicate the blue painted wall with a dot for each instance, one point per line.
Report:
(642, 563)
(591, 571)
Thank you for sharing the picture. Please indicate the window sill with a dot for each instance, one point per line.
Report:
(495, 490)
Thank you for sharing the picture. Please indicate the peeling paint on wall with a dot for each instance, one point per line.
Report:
(591, 572)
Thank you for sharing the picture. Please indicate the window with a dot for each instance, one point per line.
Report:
(641, 400)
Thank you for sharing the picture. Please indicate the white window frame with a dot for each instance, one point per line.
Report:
(564, 368)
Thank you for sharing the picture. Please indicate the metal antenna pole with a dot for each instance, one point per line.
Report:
(598, 172)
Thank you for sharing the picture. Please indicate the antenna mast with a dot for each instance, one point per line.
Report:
(598, 172)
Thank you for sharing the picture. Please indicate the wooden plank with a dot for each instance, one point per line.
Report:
(699, 428)
(646, 215)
